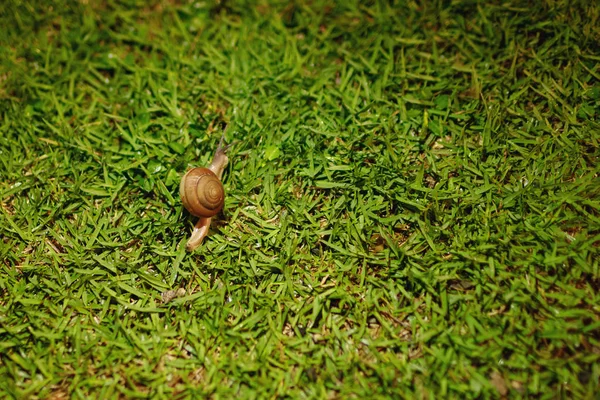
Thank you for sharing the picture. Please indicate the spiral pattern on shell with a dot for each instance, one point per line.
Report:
(202, 192)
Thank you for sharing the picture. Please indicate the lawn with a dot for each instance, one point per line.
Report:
(412, 200)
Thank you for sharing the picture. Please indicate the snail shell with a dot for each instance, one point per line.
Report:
(202, 192)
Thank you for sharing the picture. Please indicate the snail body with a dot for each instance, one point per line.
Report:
(203, 195)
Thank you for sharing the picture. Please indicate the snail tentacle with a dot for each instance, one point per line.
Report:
(219, 161)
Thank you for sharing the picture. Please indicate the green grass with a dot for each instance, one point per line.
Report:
(413, 201)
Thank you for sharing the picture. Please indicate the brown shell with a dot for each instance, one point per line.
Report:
(202, 192)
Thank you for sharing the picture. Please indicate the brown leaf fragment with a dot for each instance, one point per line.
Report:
(172, 294)
(498, 382)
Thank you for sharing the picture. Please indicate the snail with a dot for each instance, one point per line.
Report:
(203, 195)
